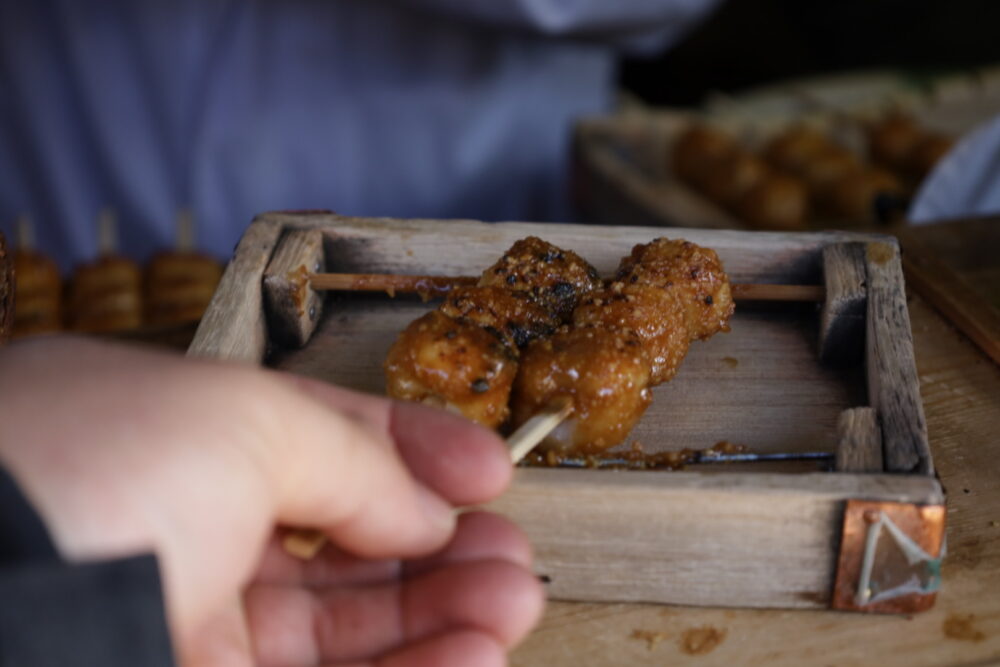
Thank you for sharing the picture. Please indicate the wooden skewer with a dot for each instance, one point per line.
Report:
(389, 282)
(185, 231)
(305, 544)
(440, 285)
(530, 433)
(25, 233)
(107, 232)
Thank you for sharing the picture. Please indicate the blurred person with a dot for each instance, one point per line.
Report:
(139, 499)
(409, 108)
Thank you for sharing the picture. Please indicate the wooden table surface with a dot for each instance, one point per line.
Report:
(961, 393)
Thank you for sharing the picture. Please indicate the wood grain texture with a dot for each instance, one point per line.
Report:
(843, 315)
(293, 306)
(959, 386)
(465, 247)
(893, 388)
(956, 267)
(776, 397)
(859, 448)
(234, 326)
(438, 286)
(692, 538)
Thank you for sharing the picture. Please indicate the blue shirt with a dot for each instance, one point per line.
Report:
(411, 108)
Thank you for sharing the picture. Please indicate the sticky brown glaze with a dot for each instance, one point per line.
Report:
(694, 274)
(794, 148)
(453, 364)
(178, 287)
(857, 195)
(172, 268)
(779, 201)
(827, 167)
(603, 373)
(106, 296)
(734, 176)
(697, 152)
(514, 314)
(6, 292)
(891, 140)
(39, 293)
(555, 278)
(655, 315)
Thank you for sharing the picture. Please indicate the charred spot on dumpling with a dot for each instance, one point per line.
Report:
(509, 314)
(553, 277)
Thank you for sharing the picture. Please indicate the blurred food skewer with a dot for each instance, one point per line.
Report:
(899, 143)
(6, 291)
(38, 287)
(839, 182)
(106, 295)
(717, 166)
(179, 285)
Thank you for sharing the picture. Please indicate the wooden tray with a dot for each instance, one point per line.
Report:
(718, 535)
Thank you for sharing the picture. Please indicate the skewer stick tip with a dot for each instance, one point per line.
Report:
(304, 544)
(107, 231)
(25, 233)
(532, 432)
(185, 230)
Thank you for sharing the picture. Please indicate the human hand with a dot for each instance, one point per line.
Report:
(125, 451)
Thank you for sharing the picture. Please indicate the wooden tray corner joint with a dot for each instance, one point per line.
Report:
(890, 557)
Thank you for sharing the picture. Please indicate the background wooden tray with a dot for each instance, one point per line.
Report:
(719, 537)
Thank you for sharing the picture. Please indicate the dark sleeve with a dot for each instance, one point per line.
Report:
(54, 613)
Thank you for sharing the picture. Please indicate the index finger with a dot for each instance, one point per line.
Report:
(463, 462)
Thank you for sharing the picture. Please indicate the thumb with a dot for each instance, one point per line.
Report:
(346, 478)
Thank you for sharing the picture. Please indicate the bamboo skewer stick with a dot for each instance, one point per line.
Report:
(530, 433)
(25, 233)
(185, 231)
(440, 285)
(107, 232)
(305, 544)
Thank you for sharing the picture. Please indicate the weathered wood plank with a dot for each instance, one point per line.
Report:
(960, 388)
(293, 307)
(893, 386)
(859, 448)
(465, 247)
(842, 317)
(234, 326)
(758, 385)
(756, 540)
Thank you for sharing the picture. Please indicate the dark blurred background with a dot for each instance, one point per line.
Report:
(747, 43)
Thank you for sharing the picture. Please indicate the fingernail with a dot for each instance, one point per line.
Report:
(435, 508)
